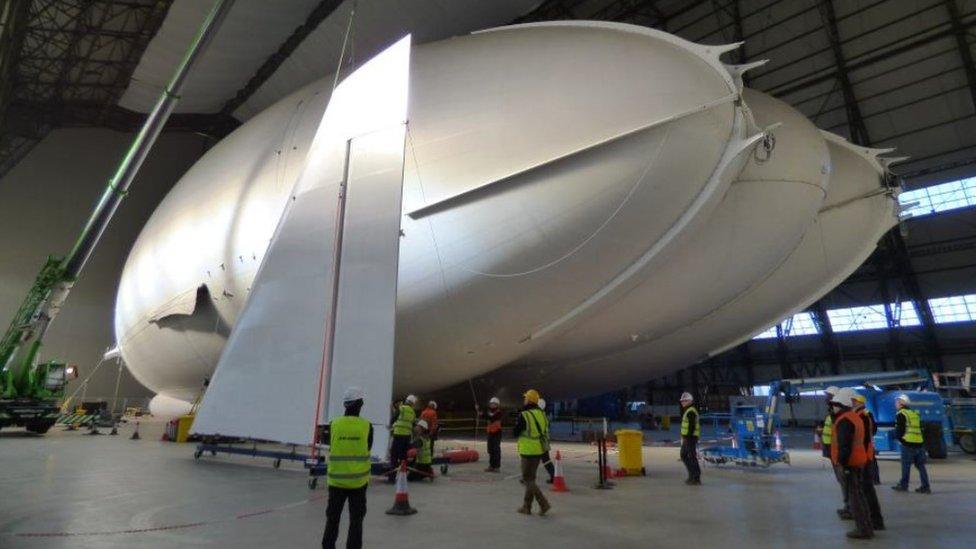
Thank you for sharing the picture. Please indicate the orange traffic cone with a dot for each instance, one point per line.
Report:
(559, 481)
(817, 443)
(401, 503)
(778, 442)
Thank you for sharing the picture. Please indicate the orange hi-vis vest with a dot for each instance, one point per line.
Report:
(859, 454)
(494, 427)
(868, 422)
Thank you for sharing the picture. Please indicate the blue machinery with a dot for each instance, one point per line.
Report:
(755, 432)
(755, 438)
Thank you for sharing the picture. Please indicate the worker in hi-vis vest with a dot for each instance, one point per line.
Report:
(826, 438)
(350, 441)
(429, 414)
(848, 451)
(494, 430)
(402, 430)
(532, 431)
(546, 458)
(421, 453)
(690, 432)
(908, 429)
(859, 405)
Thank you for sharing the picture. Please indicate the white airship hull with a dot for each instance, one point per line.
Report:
(551, 171)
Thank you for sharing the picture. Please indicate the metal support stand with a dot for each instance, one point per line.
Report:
(601, 459)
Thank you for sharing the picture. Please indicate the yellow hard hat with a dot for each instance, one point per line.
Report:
(859, 397)
(532, 396)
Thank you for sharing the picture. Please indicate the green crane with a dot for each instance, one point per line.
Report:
(30, 389)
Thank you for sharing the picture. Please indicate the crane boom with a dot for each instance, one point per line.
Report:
(22, 381)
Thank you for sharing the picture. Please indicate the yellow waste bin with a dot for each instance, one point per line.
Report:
(183, 426)
(630, 444)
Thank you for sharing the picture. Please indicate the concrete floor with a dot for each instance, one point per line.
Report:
(74, 490)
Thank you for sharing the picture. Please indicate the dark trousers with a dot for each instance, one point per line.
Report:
(530, 465)
(913, 456)
(871, 496)
(855, 481)
(495, 450)
(549, 465)
(842, 480)
(426, 472)
(874, 471)
(689, 455)
(398, 452)
(333, 512)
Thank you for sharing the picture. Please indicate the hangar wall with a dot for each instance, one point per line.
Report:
(44, 203)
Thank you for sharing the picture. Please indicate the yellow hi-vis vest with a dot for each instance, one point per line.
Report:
(828, 430)
(404, 422)
(536, 427)
(349, 452)
(913, 425)
(684, 422)
(425, 455)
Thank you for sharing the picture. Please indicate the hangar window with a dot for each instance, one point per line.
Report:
(872, 317)
(800, 324)
(959, 308)
(939, 198)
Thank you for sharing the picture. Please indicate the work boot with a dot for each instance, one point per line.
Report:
(525, 510)
(693, 482)
(899, 488)
(544, 508)
(491, 470)
(846, 515)
(924, 490)
(857, 534)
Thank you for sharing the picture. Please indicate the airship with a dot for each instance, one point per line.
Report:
(586, 205)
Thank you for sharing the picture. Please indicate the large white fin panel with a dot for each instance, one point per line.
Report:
(268, 382)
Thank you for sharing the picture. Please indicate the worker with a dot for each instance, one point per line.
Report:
(859, 402)
(350, 442)
(828, 422)
(826, 439)
(494, 429)
(403, 422)
(546, 458)
(532, 431)
(690, 432)
(430, 416)
(422, 452)
(847, 450)
(873, 471)
(908, 430)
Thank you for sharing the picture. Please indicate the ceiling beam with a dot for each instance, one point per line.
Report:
(963, 44)
(320, 13)
(883, 53)
(855, 121)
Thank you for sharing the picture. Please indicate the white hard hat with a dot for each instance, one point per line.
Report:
(832, 390)
(353, 394)
(432, 404)
(494, 400)
(422, 424)
(542, 404)
(843, 397)
(411, 399)
(686, 397)
(904, 399)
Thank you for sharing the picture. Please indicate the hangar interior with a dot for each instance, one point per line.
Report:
(78, 77)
